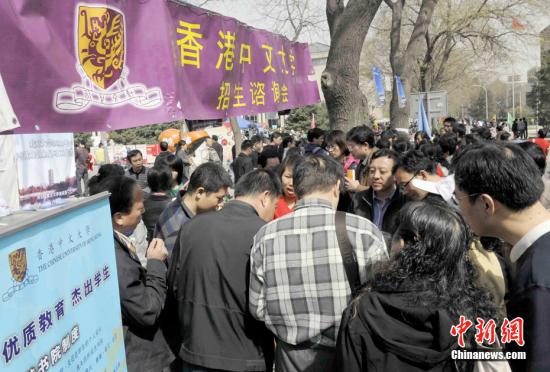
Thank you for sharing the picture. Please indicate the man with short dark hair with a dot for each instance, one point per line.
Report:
(276, 143)
(243, 163)
(498, 187)
(206, 191)
(160, 181)
(414, 165)
(315, 139)
(257, 147)
(216, 146)
(382, 202)
(269, 158)
(298, 284)
(208, 280)
(361, 142)
(137, 170)
(164, 153)
(449, 124)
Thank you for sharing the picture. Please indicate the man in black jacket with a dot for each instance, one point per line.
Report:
(382, 202)
(498, 187)
(243, 164)
(209, 277)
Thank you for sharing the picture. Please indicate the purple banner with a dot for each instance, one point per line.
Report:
(105, 65)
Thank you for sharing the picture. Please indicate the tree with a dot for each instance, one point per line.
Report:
(403, 60)
(147, 134)
(539, 97)
(348, 25)
(293, 18)
(83, 137)
(300, 118)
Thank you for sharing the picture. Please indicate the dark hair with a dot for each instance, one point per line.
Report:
(247, 144)
(275, 135)
(122, 192)
(484, 133)
(255, 139)
(387, 153)
(174, 163)
(541, 133)
(210, 176)
(434, 153)
(316, 173)
(337, 137)
(505, 136)
(401, 146)
(435, 260)
(105, 171)
(447, 143)
(290, 161)
(159, 178)
(361, 135)
(536, 153)
(502, 170)
(421, 135)
(164, 145)
(472, 139)
(459, 130)
(383, 143)
(267, 153)
(314, 133)
(214, 137)
(450, 120)
(133, 153)
(415, 161)
(257, 182)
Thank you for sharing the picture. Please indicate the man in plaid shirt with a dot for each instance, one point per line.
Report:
(298, 284)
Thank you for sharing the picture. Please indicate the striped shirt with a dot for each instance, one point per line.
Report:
(170, 222)
(298, 284)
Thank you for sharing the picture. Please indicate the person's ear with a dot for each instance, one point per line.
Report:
(118, 219)
(336, 189)
(488, 203)
(423, 174)
(200, 193)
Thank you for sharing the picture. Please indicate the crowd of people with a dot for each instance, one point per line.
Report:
(356, 251)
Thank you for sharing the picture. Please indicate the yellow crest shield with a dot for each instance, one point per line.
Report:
(18, 264)
(100, 44)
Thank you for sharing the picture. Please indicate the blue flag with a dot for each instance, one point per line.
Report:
(380, 91)
(423, 123)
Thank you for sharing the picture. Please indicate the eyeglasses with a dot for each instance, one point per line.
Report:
(404, 186)
(455, 199)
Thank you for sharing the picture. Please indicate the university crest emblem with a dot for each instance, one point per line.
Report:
(19, 273)
(100, 34)
(18, 264)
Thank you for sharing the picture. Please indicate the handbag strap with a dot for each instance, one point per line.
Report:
(346, 250)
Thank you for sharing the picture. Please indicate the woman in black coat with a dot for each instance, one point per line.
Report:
(142, 291)
(403, 320)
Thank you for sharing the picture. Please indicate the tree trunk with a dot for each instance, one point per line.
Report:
(400, 115)
(402, 64)
(346, 104)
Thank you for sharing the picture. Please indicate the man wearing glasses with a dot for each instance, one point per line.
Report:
(415, 165)
(498, 187)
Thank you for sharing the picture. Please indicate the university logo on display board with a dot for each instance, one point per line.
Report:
(18, 264)
(100, 42)
(18, 269)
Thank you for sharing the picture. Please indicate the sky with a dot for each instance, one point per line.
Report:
(246, 11)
